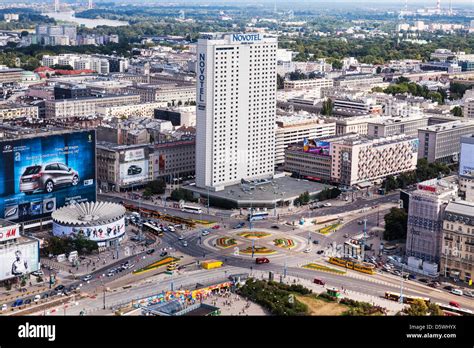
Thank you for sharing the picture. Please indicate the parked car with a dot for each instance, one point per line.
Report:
(38, 273)
(423, 280)
(110, 274)
(150, 251)
(456, 292)
(308, 250)
(469, 293)
(87, 278)
(37, 298)
(28, 301)
(260, 260)
(327, 204)
(46, 177)
(59, 287)
(45, 296)
(433, 285)
(17, 302)
(315, 241)
(171, 228)
(216, 227)
(454, 304)
(319, 281)
(319, 252)
(4, 307)
(448, 287)
(164, 253)
(276, 227)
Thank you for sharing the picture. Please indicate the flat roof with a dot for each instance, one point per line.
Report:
(461, 207)
(286, 188)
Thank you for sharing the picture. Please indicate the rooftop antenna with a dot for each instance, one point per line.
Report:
(89, 6)
(56, 5)
(450, 7)
(438, 5)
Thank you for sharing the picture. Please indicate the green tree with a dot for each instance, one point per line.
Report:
(417, 308)
(395, 224)
(280, 81)
(328, 106)
(457, 111)
(390, 183)
(156, 187)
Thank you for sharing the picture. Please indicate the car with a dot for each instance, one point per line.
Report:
(4, 307)
(239, 225)
(17, 302)
(59, 287)
(433, 285)
(180, 238)
(448, 287)
(455, 291)
(216, 227)
(276, 227)
(28, 301)
(308, 250)
(181, 267)
(110, 274)
(396, 272)
(134, 170)
(260, 260)
(205, 233)
(164, 253)
(45, 295)
(346, 235)
(469, 293)
(319, 281)
(327, 205)
(87, 278)
(37, 298)
(47, 177)
(38, 273)
(412, 276)
(185, 244)
(360, 222)
(52, 294)
(171, 228)
(315, 241)
(319, 252)
(150, 251)
(423, 280)
(454, 304)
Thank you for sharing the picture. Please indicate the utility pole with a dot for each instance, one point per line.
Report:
(401, 285)
(208, 200)
(362, 251)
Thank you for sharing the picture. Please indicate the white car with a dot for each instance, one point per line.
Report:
(308, 250)
(87, 278)
(469, 293)
(110, 274)
(180, 238)
(37, 298)
(205, 233)
(185, 244)
(171, 228)
(4, 307)
(456, 292)
(327, 204)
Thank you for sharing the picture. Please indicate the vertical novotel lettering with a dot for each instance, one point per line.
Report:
(201, 77)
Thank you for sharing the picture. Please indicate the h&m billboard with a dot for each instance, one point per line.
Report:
(40, 174)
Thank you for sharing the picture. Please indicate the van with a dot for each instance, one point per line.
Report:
(319, 281)
(456, 292)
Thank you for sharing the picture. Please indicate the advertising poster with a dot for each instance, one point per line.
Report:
(466, 162)
(317, 147)
(18, 260)
(44, 173)
(134, 171)
(97, 234)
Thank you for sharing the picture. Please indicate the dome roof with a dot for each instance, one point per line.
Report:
(89, 213)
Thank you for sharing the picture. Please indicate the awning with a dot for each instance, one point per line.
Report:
(364, 184)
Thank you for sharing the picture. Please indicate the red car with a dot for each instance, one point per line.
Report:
(215, 227)
(260, 260)
(319, 281)
(454, 304)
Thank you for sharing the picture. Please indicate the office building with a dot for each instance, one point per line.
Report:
(13, 111)
(468, 110)
(10, 75)
(171, 94)
(441, 142)
(358, 80)
(178, 116)
(386, 126)
(308, 84)
(294, 129)
(353, 159)
(466, 168)
(425, 218)
(71, 91)
(236, 108)
(457, 251)
(353, 107)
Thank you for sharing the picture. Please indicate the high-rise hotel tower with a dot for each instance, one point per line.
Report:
(236, 106)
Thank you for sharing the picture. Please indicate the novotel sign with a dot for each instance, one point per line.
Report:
(246, 37)
(201, 77)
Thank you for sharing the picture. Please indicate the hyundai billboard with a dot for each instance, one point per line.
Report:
(40, 174)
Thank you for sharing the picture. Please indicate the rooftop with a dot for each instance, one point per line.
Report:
(461, 208)
(89, 213)
(443, 127)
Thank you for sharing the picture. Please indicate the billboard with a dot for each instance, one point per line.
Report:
(9, 232)
(40, 174)
(134, 171)
(317, 147)
(18, 260)
(97, 233)
(466, 161)
(133, 155)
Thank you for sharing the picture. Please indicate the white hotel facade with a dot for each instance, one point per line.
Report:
(235, 109)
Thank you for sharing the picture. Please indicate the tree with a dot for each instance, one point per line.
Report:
(328, 106)
(402, 79)
(395, 224)
(390, 183)
(303, 199)
(457, 111)
(336, 64)
(62, 67)
(156, 187)
(182, 194)
(280, 81)
(417, 308)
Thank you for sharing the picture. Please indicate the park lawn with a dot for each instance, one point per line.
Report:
(321, 307)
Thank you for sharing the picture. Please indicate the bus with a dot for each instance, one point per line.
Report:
(362, 267)
(259, 215)
(454, 311)
(191, 209)
(153, 229)
(406, 298)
